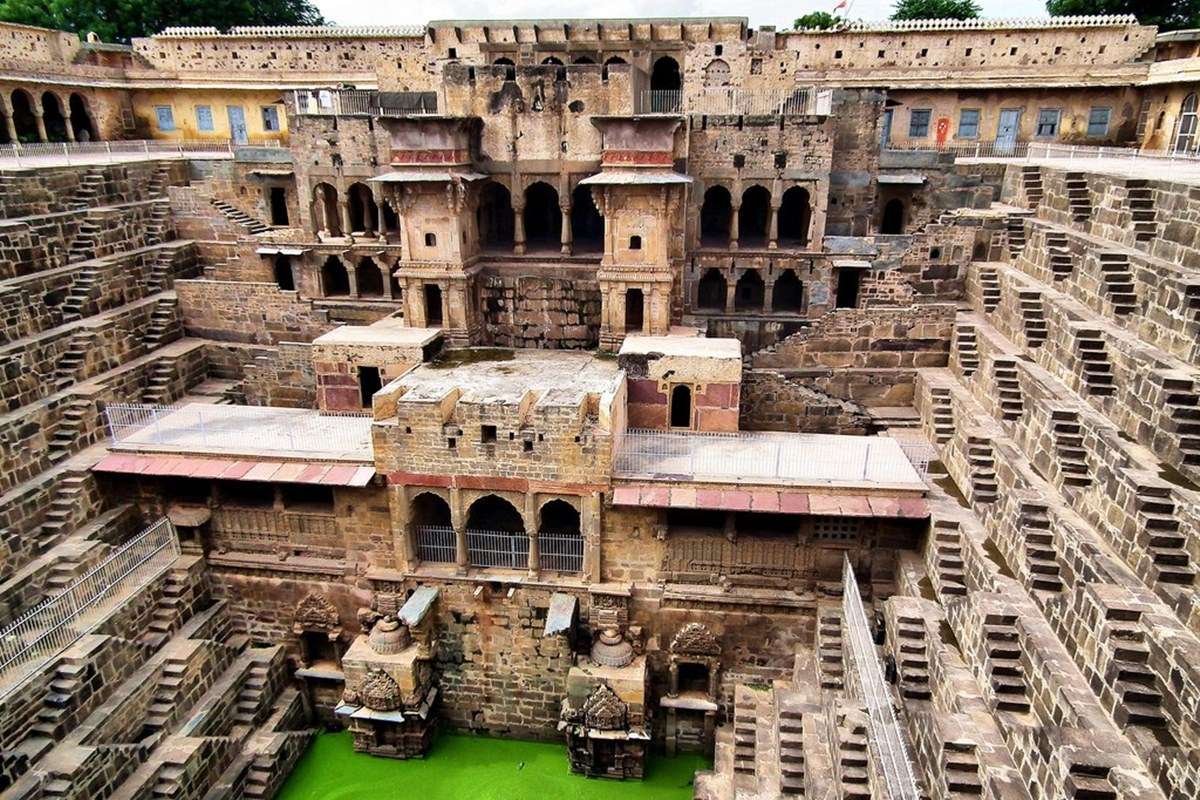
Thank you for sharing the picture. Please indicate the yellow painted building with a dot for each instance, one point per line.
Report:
(245, 117)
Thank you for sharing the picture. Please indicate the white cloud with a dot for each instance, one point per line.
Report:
(760, 12)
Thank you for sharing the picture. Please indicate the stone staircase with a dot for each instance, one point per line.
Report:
(59, 519)
(68, 368)
(1068, 447)
(745, 735)
(160, 274)
(1044, 572)
(1079, 199)
(1033, 316)
(239, 217)
(159, 382)
(1183, 415)
(91, 189)
(1089, 782)
(164, 324)
(942, 414)
(168, 612)
(79, 294)
(163, 702)
(1141, 210)
(1158, 532)
(158, 227)
(853, 769)
(983, 469)
(1131, 679)
(1118, 282)
(960, 768)
(66, 681)
(912, 661)
(1008, 389)
(1059, 257)
(251, 702)
(989, 282)
(1002, 643)
(948, 551)
(829, 648)
(1096, 372)
(791, 749)
(1014, 225)
(1031, 184)
(72, 426)
(967, 348)
(83, 246)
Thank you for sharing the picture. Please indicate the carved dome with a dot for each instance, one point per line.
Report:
(388, 637)
(379, 691)
(695, 639)
(603, 710)
(611, 649)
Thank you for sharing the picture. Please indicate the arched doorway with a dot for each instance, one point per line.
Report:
(23, 117)
(364, 213)
(795, 215)
(507, 67)
(582, 60)
(494, 216)
(587, 226)
(53, 118)
(681, 406)
(788, 292)
(335, 281)
(324, 210)
(608, 63)
(710, 293)
(715, 215)
(81, 119)
(496, 534)
(750, 291)
(542, 217)
(665, 84)
(893, 217)
(432, 528)
(284, 278)
(369, 278)
(560, 74)
(753, 217)
(1185, 129)
(560, 539)
(635, 311)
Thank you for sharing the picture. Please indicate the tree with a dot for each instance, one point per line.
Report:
(122, 20)
(818, 20)
(936, 9)
(1168, 15)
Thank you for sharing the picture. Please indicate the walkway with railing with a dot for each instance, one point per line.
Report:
(44, 632)
(361, 103)
(767, 458)
(732, 101)
(561, 552)
(66, 154)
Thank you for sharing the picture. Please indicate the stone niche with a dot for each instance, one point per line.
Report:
(390, 698)
(691, 703)
(682, 382)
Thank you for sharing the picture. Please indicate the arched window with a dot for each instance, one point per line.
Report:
(681, 406)
(81, 119)
(335, 281)
(710, 294)
(635, 311)
(496, 534)
(283, 273)
(543, 218)
(369, 278)
(508, 67)
(583, 60)
(364, 214)
(795, 216)
(715, 216)
(788, 292)
(665, 85)
(749, 293)
(432, 528)
(752, 217)
(587, 226)
(893, 217)
(608, 63)
(495, 216)
(1185, 136)
(53, 118)
(325, 210)
(716, 73)
(560, 539)
(23, 117)
(560, 74)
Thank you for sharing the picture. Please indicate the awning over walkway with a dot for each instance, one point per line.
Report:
(772, 501)
(236, 469)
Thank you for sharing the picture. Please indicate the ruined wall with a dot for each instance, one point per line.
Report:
(773, 402)
(541, 308)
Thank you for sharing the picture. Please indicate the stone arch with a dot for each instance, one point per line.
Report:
(788, 292)
(364, 213)
(542, 216)
(53, 118)
(750, 291)
(893, 217)
(711, 290)
(494, 215)
(335, 280)
(369, 278)
(716, 213)
(795, 217)
(284, 277)
(24, 118)
(316, 623)
(429, 509)
(666, 81)
(492, 512)
(81, 118)
(508, 67)
(1185, 129)
(753, 216)
(583, 61)
(587, 226)
(716, 73)
(614, 60)
(324, 209)
(559, 516)
(681, 406)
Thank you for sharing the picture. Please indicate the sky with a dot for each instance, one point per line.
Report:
(760, 12)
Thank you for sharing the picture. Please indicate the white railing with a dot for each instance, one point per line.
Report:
(884, 735)
(48, 629)
(436, 544)
(1041, 150)
(361, 102)
(237, 429)
(503, 549)
(39, 153)
(766, 458)
(992, 149)
(562, 552)
(727, 100)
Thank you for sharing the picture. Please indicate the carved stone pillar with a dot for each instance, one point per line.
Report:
(734, 227)
(405, 545)
(66, 109)
(730, 296)
(531, 527)
(519, 228)
(41, 125)
(344, 208)
(461, 556)
(566, 238)
(772, 226)
(322, 224)
(9, 124)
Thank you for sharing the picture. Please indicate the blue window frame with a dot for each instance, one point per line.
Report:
(204, 118)
(165, 117)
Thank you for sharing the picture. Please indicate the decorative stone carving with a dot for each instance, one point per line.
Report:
(388, 637)
(379, 691)
(695, 639)
(604, 711)
(316, 613)
(611, 650)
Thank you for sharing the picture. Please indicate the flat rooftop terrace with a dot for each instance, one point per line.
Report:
(485, 375)
(1116, 161)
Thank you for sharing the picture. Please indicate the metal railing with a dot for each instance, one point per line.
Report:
(562, 552)
(503, 549)
(361, 102)
(238, 429)
(885, 738)
(436, 544)
(51, 627)
(728, 100)
(1040, 150)
(766, 457)
(40, 153)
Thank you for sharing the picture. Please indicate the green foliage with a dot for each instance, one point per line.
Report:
(1168, 15)
(936, 9)
(818, 20)
(122, 20)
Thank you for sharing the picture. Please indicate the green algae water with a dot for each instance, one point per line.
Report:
(462, 767)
